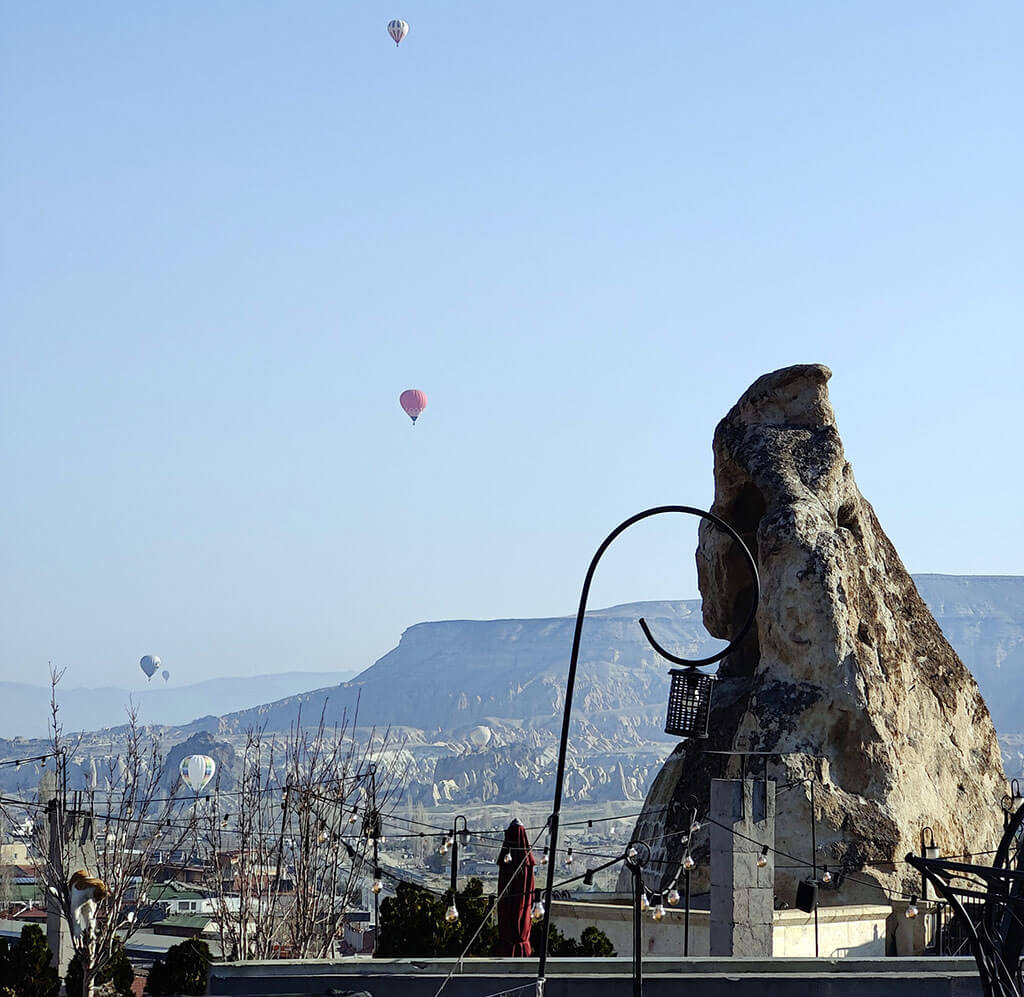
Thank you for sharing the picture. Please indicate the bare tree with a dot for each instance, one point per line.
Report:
(293, 853)
(94, 845)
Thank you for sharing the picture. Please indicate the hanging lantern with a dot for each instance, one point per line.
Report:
(689, 703)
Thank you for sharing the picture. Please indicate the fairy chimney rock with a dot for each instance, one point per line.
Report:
(846, 675)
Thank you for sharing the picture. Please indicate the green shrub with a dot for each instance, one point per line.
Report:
(412, 923)
(118, 972)
(25, 969)
(593, 942)
(183, 970)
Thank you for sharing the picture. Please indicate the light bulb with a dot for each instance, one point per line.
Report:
(658, 913)
(568, 857)
(449, 841)
(695, 827)
(644, 902)
(443, 850)
(508, 858)
(912, 910)
(352, 819)
(762, 859)
(537, 912)
(688, 862)
(631, 852)
(672, 897)
(544, 856)
(451, 915)
(826, 876)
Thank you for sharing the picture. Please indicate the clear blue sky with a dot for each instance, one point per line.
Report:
(232, 233)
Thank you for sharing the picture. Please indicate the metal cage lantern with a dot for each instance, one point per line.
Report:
(689, 703)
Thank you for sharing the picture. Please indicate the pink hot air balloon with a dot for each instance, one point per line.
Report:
(414, 402)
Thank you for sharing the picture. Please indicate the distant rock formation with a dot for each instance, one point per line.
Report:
(846, 675)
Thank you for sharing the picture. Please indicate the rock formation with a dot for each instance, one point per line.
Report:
(846, 675)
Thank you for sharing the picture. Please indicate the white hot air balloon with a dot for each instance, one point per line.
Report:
(197, 771)
(398, 29)
(150, 664)
(480, 736)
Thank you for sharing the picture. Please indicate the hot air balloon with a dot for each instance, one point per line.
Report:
(197, 771)
(398, 30)
(480, 736)
(165, 674)
(414, 402)
(149, 664)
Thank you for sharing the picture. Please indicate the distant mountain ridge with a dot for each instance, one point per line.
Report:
(445, 678)
(24, 709)
(446, 674)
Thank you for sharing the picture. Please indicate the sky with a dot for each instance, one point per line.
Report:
(231, 234)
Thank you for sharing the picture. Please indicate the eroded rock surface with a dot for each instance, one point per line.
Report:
(848, 677)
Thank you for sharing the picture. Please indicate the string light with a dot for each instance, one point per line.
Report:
(672, 897)
(451, 915)
(568, 857)
(508, 858)
(688, 862)
(658, 913)
(537, 911)
(912, 910)
(826, 876)
(644, 902)
(762, 859)
(544, 856)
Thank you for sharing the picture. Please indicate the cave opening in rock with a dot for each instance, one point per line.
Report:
(744, 516)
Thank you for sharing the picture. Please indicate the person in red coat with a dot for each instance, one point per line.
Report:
(515, 892)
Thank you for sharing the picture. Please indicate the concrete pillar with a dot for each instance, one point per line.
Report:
(58, 934)
(742, 895)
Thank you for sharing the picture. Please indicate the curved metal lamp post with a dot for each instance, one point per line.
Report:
(997, 938)
(690, 667)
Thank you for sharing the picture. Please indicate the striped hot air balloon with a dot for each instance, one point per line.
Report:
(398, 29)
(196, 771)
(413, 401)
